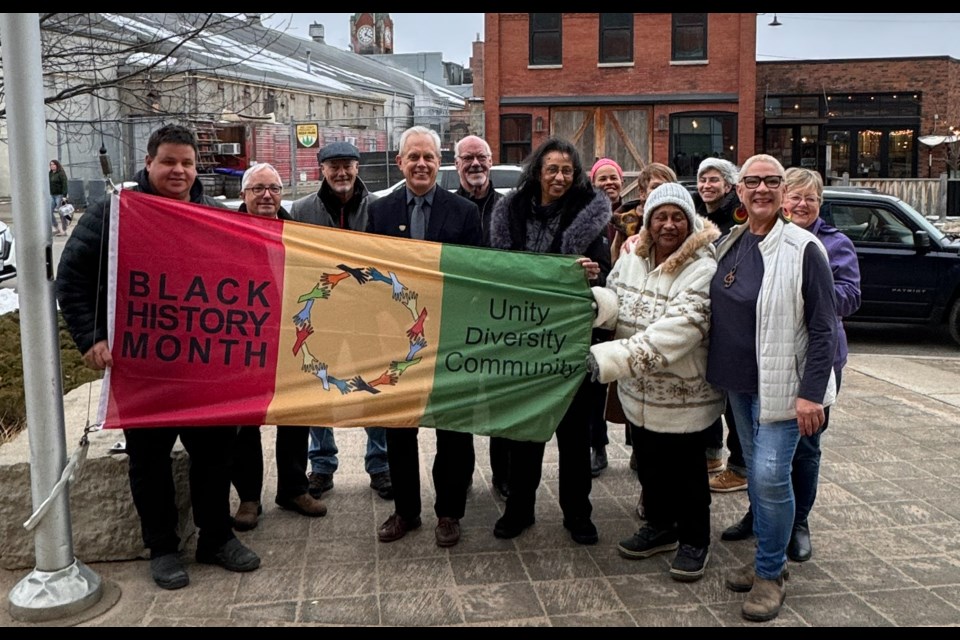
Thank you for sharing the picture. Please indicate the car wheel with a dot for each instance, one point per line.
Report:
(954, 321)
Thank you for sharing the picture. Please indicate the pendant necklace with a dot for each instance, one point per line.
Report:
(731, 276)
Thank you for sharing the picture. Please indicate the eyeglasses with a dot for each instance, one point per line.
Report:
(482, 158)
(796, 198)
(259, 189)
(752, 182)
(553, 170)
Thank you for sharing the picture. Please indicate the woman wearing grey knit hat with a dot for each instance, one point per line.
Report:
(657, 302)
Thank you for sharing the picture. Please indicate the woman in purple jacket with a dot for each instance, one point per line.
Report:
(804, 193)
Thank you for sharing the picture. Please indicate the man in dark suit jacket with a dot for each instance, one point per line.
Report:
(422, 211)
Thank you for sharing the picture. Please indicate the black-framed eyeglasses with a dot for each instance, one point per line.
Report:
(481, 158)
(259, 189)
(752, 182)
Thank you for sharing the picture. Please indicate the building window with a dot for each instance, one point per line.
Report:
(515, 138)
(616, 37)
(696, 136)
(792, 107)
(545, 39)
(689, 36)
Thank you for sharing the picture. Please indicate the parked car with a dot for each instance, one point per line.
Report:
(909, 269)
(8, 254)
(504, 176)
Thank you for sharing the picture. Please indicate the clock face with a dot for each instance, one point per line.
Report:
(365, 34)
(387, 35)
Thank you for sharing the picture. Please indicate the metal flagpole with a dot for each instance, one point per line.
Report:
(60, 585)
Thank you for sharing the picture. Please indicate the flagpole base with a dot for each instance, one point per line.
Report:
(48, 595)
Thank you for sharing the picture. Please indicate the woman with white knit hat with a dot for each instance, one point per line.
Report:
(657, 302)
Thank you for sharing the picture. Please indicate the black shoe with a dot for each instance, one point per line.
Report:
(648, 541)
(742, 530)
(689, 563)
(231, 555)
(320, 483)
(500, 488)
(582, 530)
(507, 527)
(800, 549)
(168, 571)
(381, 483)
(598, 461)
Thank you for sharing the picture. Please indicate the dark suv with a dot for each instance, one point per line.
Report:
(909, 269)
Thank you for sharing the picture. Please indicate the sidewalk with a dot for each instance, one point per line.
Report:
(886, 535)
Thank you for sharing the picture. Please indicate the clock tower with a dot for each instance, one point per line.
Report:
(371, 33)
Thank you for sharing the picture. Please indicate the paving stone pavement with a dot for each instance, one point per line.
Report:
(885, 534)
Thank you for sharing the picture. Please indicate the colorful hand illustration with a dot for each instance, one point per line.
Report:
(417, 329)
(340, 384)
(416, 346)
(331, 280)
(303, 332)
(376, 275)
(398, 286)
(304, 316)
(317, 292)
(410, 302)
(322, 374)
(356, 273)
(385, 378)
(359, 384)
(309, 362)
(400, 367)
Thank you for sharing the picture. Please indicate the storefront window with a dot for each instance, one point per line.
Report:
(868, 160)
(838, 153)
(694, 137)
(901, 154)
(780, 144)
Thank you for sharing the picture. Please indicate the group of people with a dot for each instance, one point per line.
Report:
(695, 313)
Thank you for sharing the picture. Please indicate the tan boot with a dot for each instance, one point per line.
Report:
(247, 515)
(764, 600)
(741, 580)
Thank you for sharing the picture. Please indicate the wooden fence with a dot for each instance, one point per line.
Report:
(926, 195)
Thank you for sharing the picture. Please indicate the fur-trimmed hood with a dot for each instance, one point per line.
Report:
(587, 221)
(704, 233)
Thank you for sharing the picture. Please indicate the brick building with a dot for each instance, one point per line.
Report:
(638, 87)
(862, 117)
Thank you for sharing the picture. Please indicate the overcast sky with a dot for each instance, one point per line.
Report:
(802, 36)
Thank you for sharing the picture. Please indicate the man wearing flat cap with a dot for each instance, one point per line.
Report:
(341, 202)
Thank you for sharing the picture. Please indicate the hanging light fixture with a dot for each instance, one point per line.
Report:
(775, 22)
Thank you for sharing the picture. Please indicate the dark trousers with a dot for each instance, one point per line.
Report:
(246, 471)
(676, 490)
(598, 422)
(154, 494)
(713, 439)
(500, 458)
(452, 470)
(573, 445)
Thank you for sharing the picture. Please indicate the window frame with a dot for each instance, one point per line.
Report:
(688, 22)
(524, 124)
(605, 32)
(538, 33)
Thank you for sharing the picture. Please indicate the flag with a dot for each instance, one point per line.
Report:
(224, 318)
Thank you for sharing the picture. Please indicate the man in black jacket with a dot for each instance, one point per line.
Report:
(422, 211)
(170, 172)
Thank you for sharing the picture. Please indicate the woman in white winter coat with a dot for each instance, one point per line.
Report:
(657, 302)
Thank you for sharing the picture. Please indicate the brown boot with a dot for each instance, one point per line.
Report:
(247, 514)
(305, 505)
(741, 580)
(764, 600)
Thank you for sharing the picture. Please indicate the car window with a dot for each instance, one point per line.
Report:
(504, 178)
(871, 224)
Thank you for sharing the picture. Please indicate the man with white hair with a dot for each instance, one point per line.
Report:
(262, 190)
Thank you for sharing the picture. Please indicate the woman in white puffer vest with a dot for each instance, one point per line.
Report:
(657, 302)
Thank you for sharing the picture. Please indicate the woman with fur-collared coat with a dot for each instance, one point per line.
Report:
(555, 209)
(658, 304)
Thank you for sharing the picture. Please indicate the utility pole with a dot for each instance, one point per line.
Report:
(60, 585)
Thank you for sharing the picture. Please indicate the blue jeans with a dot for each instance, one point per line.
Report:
(768, 449)
(323, 451)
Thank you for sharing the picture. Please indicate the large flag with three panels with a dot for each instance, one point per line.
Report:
(223, 318)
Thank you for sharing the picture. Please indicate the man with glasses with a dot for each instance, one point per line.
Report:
(261, 189)
(341, 202)
(473, 161)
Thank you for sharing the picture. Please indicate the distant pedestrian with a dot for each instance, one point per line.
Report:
(58, 193)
